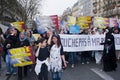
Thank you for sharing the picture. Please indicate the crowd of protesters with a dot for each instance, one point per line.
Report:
(50, 55)
(87, 55)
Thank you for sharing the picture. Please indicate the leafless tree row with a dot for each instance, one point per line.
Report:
(26, 9)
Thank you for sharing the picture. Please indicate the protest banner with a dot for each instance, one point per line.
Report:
(113, 22)
(75, 29)
(36, 36)
(55, 21)
(21, 56)
(19, 25)
(101, 22)
(44, 23)
(84, 21)
(74, 43)
(71, 20)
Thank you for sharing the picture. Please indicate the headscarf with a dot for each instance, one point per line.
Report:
(22, 39)
(31, 38)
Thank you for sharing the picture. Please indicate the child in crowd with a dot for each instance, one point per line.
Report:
(42, 63)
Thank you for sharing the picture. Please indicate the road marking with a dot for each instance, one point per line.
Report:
(102, 74)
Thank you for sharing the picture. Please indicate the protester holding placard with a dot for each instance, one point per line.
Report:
(23, 42)
(12, 41)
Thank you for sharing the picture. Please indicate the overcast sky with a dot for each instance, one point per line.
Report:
(56, 7)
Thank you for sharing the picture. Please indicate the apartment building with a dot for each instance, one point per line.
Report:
(83, 8)
(106, 8)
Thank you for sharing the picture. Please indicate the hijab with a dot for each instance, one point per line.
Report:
(22, 38)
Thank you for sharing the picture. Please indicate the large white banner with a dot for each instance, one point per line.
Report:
(75, 43)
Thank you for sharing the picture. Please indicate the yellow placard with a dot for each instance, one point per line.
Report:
(84, 21)
(23, 64)
(21, 56)
(101, 22)
(18, 25)
(71, 20)
(36, 36)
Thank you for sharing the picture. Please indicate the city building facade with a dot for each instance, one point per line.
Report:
(106, 8)
(83, 8)
(76, 9)
(67, 12)
(10, 12)
(86, 7)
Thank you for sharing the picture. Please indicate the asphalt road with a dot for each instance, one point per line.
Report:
(90, 71)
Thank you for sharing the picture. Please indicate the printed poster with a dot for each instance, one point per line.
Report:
(84, 21)
(71, 20)
(75, 29)
(21, 56)
(19, 25)
(101, 22)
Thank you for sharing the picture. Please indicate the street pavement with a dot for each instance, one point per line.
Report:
(89, 71)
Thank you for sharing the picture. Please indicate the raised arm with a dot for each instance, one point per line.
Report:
(50, 37)
(37, 52)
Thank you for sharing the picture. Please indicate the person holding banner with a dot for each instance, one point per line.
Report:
(98, 54)
(109, 57)
(31, 40)
(116, 31)
(12, 41)
(42, 62)
(56, 56)
(85, 55)
(23, 42)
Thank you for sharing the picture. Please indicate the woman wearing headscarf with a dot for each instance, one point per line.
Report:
(23, 42)
(31, 38)
(109, 57)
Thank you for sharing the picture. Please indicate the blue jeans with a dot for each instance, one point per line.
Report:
(56, 75)
(9, 66)
(73, 57)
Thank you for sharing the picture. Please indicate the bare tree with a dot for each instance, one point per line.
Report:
(30, 8)
(6, 5)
